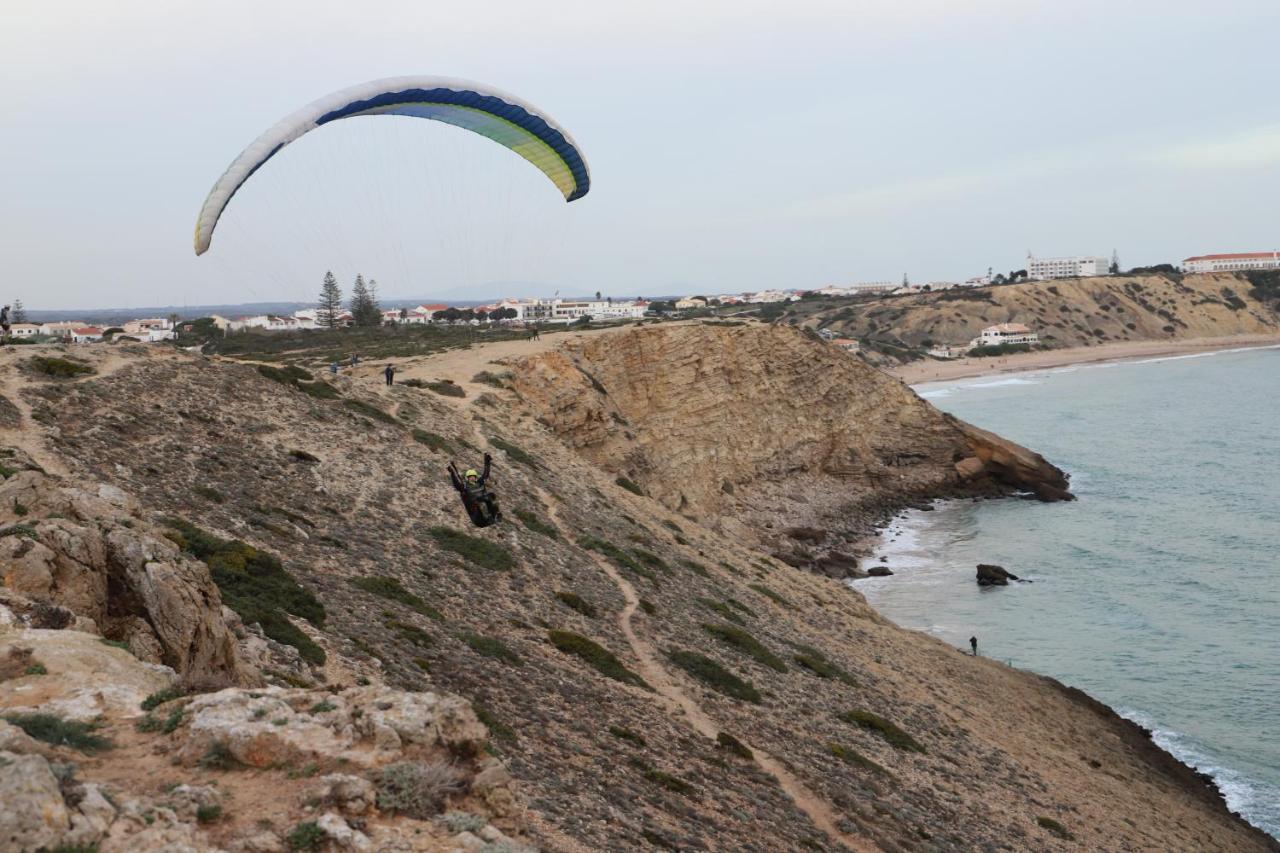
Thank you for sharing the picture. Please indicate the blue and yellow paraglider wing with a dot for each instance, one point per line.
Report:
(481, 109)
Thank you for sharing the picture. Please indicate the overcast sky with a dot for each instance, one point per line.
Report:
(733, 145)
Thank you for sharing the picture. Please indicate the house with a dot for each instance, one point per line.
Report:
(690, 302)
(1232, 262)
(1005, 333)
(140, 328)
(85, 334)
(849, 345)
(61, 329)
(24, 330)
(947, 351)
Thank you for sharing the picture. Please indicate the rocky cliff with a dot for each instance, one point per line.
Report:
(1066, 313)
(761, 428)
(649, 678)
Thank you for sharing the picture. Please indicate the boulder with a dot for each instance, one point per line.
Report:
(990, 575)
(351, 795)
(878, 572)
(33, 815)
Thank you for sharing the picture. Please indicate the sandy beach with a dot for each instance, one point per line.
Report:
(964, 368)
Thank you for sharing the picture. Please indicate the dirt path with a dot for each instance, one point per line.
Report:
(680, 704)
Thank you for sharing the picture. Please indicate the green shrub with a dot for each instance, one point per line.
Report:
(714, 675)
(696, 567)
(318, 389)
(770, 594)
(740, 640)
(497, 380)
(672, 525)
(304, 456)
(496, 727)
(35, 669)
(895, 736)
(651, 560)
(733, 746)
(209, 494)
(630, 486)
(852, 756)
(437, 443)
(208, 813)
(26, 531)
(491, 647)
(444, 388)
(620, 558)
(160, 697)
(324, 706)
(59, 732)
(306, 835)
(1055, 828)
(218, 757)
(674, 784)
(722, 609)
(482, 552)
(596, 656)
(457, 822)
(648, 607)
(514, 453)
(255, 586)
(168, 725)
(360, 407)
(417, 790)
(816, 662)
(390, 588)
(624, 733)
(537, 525)
(412, 633)
(576, 602)
(58, 368)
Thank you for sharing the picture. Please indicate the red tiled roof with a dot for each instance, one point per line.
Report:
(87, 330)
(1231, 257)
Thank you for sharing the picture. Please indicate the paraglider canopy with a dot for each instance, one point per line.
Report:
(490, 112)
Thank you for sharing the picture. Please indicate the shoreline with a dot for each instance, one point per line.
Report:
(919, 373)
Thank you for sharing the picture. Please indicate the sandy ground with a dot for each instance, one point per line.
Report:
(964, 368)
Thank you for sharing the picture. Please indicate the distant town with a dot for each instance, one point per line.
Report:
(538, 311)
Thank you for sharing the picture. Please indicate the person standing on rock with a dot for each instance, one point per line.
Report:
(973, 644)
(390, 372)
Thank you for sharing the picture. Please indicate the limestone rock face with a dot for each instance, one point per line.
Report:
(88, 552)
(32, 813)
(765, 424)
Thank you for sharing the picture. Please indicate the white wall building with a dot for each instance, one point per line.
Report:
(1080, 265)
(1233, 262)
(85, 334)
(24, 330)
(1005, 333)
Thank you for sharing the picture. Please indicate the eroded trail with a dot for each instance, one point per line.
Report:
(680, 704)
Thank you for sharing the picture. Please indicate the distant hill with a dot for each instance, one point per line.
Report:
(1067, 312)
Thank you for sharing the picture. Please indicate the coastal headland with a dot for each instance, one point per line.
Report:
(641, 655)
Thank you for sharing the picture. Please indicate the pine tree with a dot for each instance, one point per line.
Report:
(1115, 262)
(375, 312)
(19, 313)
(329, 307)
(364, 309)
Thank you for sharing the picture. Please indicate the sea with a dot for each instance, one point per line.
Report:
(1158, 591)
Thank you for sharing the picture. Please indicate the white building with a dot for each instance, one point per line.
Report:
(1080, 265)
(1005, 333)
(849, 345)
(24, 330)
(947, 351)
(139, 328)
(690, 302)
(1233, 262)
(61, 329)
(85, 334)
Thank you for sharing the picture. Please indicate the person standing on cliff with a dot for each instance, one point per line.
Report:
(973, 644)
(390, 372)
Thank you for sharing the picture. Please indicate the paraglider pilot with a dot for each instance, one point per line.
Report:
(481, 504)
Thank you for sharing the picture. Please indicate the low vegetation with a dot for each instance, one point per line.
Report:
(674, 784)
(360, 407)
(594, 655)
(52, 729)
(770, 594)
(816, 662)
(491, 647)
(576, 602)
(390, 588)
(515, 453)
(852, 756)
(536, 524)
(620, 558)
(721, 609)
(893, 735)
(481, 552)
(412, 633)
(302, 380)
(445, 388)
(624, 733)
(437, 443)
(739, 640)
(58, 368)
(714, 675)
(630, 486)
(1055, 828)
(733, 746)
(496, 380)
(417, 790)
(306, 835)
(160, 697)
(255, 585)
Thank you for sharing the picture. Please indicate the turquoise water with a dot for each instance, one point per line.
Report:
(1158, 592)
